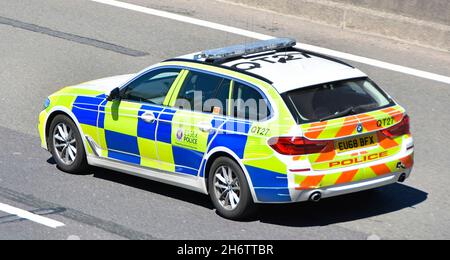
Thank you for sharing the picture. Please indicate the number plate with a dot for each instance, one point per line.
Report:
(355, 143)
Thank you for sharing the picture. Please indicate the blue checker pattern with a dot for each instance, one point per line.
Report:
(202, 168)
(164, 131)
(133, 159)
(185, 159)
(237, 126)
(85, 109)
(184, 170)
(121, 142)
(273, 195)
(265, 178)
(235, 142)
(269, 186)
(216, 124)
(101, 116)
(148, 130)
(125, 147)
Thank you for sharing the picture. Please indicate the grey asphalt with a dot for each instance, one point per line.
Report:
(48, 44)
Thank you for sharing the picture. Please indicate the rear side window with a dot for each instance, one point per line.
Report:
(204, 93)
(248, 103)
(335, 99)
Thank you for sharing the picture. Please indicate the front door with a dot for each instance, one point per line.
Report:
(130, 123)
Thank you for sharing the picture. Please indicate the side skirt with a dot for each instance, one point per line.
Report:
(194, 183)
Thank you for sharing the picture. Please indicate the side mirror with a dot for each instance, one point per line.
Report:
(114, 95)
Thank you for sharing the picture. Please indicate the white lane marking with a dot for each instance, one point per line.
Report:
(377, 63)
(73, 237)
(259, 36)
(30, 216)
(184, 19)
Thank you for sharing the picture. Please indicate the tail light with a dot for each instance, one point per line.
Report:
(296, 145)
(399, 129)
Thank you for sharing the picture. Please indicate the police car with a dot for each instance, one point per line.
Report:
(264, 122)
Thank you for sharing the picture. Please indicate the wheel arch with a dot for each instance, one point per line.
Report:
(225, 152)
(66, 112)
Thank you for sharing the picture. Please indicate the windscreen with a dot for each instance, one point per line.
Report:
(336, 99)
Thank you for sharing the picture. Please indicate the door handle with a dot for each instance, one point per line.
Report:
(148, 117)
(205, 127)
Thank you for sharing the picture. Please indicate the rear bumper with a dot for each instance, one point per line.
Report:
(300, 186)
(336, 190)
(366, 176)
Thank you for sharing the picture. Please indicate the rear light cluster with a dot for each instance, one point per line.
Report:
(399, 129)
(296, 145)
(290, 145)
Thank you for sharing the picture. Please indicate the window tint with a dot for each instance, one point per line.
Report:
(330, 99)
(248, 103)
(151, 87)
(204, 93)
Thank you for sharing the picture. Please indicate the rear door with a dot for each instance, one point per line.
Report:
(200, 100)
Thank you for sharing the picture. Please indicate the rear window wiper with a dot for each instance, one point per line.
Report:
(346, 112)
(362, 108)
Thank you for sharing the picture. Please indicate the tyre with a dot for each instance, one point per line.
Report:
(229, 190)
(66, 145)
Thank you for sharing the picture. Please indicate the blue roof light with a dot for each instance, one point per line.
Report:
(246, 49)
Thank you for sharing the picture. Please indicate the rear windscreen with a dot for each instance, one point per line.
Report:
(335, 99)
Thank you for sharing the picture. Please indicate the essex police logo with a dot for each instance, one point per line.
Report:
(359, 128)
(180, 134)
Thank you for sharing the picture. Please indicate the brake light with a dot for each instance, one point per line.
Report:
(399, 129)
(296, 145)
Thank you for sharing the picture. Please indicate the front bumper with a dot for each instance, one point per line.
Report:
(41, 128)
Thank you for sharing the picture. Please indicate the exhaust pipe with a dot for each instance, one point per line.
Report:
(402, 178)
(315, 196)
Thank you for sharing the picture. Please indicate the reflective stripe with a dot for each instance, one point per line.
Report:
(230, 97)
(343, 127)
(311, 182)
(175, 89)
(346, 177)
(318, 181)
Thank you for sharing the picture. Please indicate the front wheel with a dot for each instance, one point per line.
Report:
(66, 145)
(229, 190)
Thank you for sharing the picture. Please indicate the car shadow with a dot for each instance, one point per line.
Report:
(51, 161)
(153, 187)
(344, 208)
(328, 211)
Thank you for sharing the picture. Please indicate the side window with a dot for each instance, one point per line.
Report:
(151, 87)
(248, 103)
(204, 93)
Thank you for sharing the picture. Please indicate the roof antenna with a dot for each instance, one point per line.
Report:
(283, 59)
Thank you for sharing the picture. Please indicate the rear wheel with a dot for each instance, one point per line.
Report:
(66, 145)
(229, 190)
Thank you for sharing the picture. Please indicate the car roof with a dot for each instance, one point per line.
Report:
(286, 69)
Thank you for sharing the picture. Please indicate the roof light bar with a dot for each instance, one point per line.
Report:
(246, 49)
